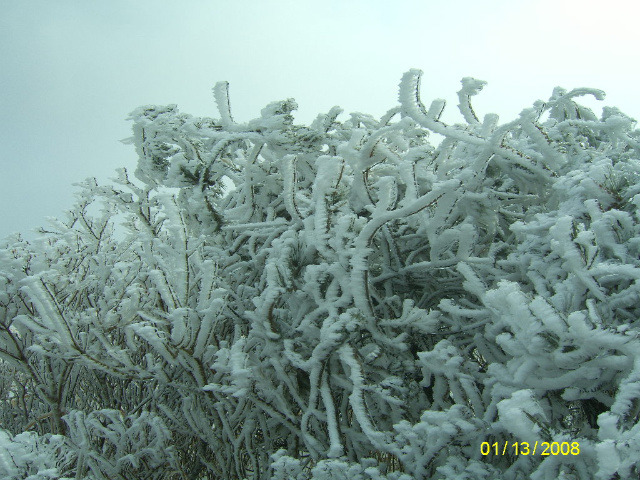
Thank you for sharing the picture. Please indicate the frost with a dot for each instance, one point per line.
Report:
(344, 300)
(32, 457)
(516, 412)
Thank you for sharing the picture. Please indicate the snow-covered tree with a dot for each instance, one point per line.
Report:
(348, 299)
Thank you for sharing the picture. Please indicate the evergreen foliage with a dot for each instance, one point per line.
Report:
(345, 300)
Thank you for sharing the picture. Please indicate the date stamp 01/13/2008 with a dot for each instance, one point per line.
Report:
(526, 448)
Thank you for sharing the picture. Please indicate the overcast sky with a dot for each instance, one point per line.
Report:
(71, 71)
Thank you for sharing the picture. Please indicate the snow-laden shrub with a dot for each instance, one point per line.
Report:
(285, 467)
(346, 299)
(28, 456)
(111, 446)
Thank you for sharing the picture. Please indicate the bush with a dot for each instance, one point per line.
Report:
(342, 300)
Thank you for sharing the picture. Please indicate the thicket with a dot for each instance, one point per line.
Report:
(352, 299)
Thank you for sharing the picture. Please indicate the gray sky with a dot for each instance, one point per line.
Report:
(71, 71)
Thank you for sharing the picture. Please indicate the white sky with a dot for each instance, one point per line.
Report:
(71, 71)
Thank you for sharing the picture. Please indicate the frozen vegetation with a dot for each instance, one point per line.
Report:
(345, 300)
